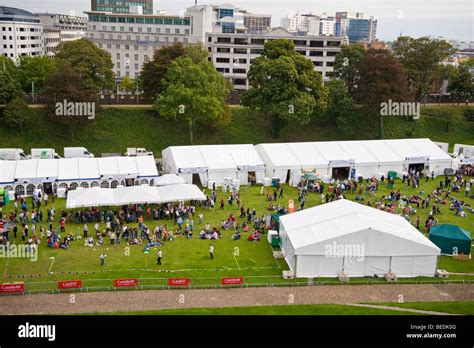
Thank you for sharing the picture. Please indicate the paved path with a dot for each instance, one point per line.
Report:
(400, 309)
(121, 301)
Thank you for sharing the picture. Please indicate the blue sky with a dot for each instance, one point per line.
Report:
(452, 19)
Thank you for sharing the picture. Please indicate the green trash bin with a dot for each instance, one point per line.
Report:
(392, 175)
(275, 241)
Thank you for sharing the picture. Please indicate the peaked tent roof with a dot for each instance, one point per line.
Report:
(450, 231)
(342, 217)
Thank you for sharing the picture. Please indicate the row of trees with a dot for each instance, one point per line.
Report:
(185, 86)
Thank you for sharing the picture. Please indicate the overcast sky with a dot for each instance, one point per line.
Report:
(452, 19)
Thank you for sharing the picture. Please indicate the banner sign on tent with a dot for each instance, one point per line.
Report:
(232, 281)
(70, 284)
(179, 281)
(341, 163)
(193, 170)
(120, 283)
(10, 288)
(420, 159)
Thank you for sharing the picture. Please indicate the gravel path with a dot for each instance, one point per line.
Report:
(121, 301)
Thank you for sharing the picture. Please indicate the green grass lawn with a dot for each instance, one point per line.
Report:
(453, 307)
(118, 128)
(322, 309)
(190, 258)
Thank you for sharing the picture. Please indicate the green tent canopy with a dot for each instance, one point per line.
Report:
(310, 176)
(450, 237)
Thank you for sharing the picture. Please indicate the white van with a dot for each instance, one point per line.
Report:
(77, 152)
(137, 151)
(13, 154)
(44, 154)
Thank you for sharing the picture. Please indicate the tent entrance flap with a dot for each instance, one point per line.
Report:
(48, 187)
(197, 180)
(341, 173)
(129, 182)
(252, 177)
(417, 167)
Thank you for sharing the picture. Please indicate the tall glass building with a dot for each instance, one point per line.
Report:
(362, 30)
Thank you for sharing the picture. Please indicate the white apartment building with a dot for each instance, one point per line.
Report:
(59, 28)
(233, 53)
(20, 33)
(131, 39)
(317, 25)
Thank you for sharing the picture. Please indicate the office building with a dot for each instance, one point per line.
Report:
(311, 24)
(59, 28)
(131, 39)
(123, 6)
(362, 30)
(233, 53)
(20, 33)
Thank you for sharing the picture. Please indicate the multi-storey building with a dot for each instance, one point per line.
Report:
(59, 28)
(233, 53)
(362, 30)
(20, 33)
(123, 6)
(131, 39)
(311, 24)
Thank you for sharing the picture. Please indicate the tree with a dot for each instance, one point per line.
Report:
(126, 84)
(421, 58)
(154, 70)
(345, 65)
(381, 78)
(66, 86)
(341, 107)
(193, 93)
(10, 87)
(196, 52)
(460, 84)
(284, 86)
(93, 64)
(17, 113)
(35, 69)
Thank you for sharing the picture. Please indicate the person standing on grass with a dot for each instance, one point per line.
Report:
(45, 198)
(222, 204)
(159, 256)
(281, 193)
(102, 259)
(211, 251)
(86, 231)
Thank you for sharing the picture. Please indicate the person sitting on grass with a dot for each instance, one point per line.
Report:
(236, 236)
(89, 242)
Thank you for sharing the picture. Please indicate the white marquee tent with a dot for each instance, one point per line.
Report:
(344, 236)
(213, 163)
(367, 157)
(99, 197)
(169, 179)
(27, 175)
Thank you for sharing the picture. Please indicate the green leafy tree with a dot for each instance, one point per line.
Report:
(193, 93)
(35, 70)
(345, 65)
(126, 84)
(17, 114)
(196, 52)
(154, 70)
(381, 78)
(421, 59)
(460, 84)
(67, 85)
(284, 86)
(10, 87)
(341, 108)
(93, 64)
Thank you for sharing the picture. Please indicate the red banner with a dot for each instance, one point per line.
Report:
(70, 284)
(8, 288)
(118, 283)
(179, 282)
(232, 281)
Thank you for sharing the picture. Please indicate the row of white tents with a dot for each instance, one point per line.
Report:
(27, 175)
(289, 161)
(104, 197)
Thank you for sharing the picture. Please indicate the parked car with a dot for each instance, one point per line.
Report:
(77, 152)
(137, 151)
(13, 154)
